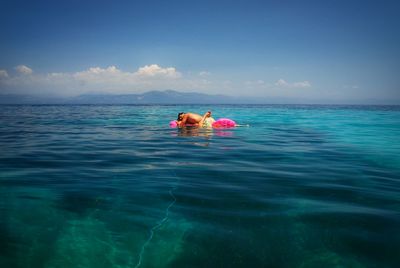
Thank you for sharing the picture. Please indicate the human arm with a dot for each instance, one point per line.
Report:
(182, 123)
(207, 114)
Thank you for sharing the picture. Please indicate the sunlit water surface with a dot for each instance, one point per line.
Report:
(114, 186)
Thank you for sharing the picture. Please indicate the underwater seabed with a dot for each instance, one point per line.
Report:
(49, 227)
(88, 243)
(39, 234)
(95, 238)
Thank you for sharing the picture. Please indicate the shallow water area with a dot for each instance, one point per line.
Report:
(114, 186)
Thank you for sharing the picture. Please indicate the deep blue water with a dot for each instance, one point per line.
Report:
(113, 186)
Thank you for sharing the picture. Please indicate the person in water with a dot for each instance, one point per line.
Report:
(195, 119)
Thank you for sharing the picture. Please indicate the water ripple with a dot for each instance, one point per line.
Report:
(302, 186)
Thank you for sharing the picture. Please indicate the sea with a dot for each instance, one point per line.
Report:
(115, 186)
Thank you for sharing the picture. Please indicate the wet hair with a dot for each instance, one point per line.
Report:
(179, 115)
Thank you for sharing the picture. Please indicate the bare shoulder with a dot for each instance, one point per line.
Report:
(195, 116)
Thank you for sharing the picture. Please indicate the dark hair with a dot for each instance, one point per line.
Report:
(179, 115)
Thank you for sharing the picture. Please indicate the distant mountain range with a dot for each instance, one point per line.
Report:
(171, 97)
(151, 97)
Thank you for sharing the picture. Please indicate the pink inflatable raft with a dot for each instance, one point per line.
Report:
(224, 123)
(220, 123)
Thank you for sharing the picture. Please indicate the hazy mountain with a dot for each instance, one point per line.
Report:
(151, 97)
(170, 97)
(29, 99)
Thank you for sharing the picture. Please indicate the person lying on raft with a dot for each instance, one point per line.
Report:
(196, 120)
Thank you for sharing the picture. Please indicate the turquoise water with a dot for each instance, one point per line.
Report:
(113, 186)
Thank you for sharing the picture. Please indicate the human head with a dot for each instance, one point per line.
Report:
(180, 116)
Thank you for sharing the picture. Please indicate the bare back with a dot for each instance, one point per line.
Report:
(193, 118)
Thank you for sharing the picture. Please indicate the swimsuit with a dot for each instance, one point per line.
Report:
(207, 123)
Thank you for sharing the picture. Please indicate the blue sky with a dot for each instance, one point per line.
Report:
(336, 51)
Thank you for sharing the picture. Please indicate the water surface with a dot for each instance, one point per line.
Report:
(113, 186)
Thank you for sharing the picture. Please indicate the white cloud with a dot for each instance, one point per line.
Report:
(255, 84)
(112, 76)
(154, 70)
(283, 83)
(260, 82)
(108, 80)
(113, 80)
(3, 74)
(23, 69)
(204, 73)
(303, 84)
(98, 70)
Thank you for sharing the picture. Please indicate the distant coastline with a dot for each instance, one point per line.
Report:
(169, 97)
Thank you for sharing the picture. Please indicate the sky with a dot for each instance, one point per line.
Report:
(317, 51)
